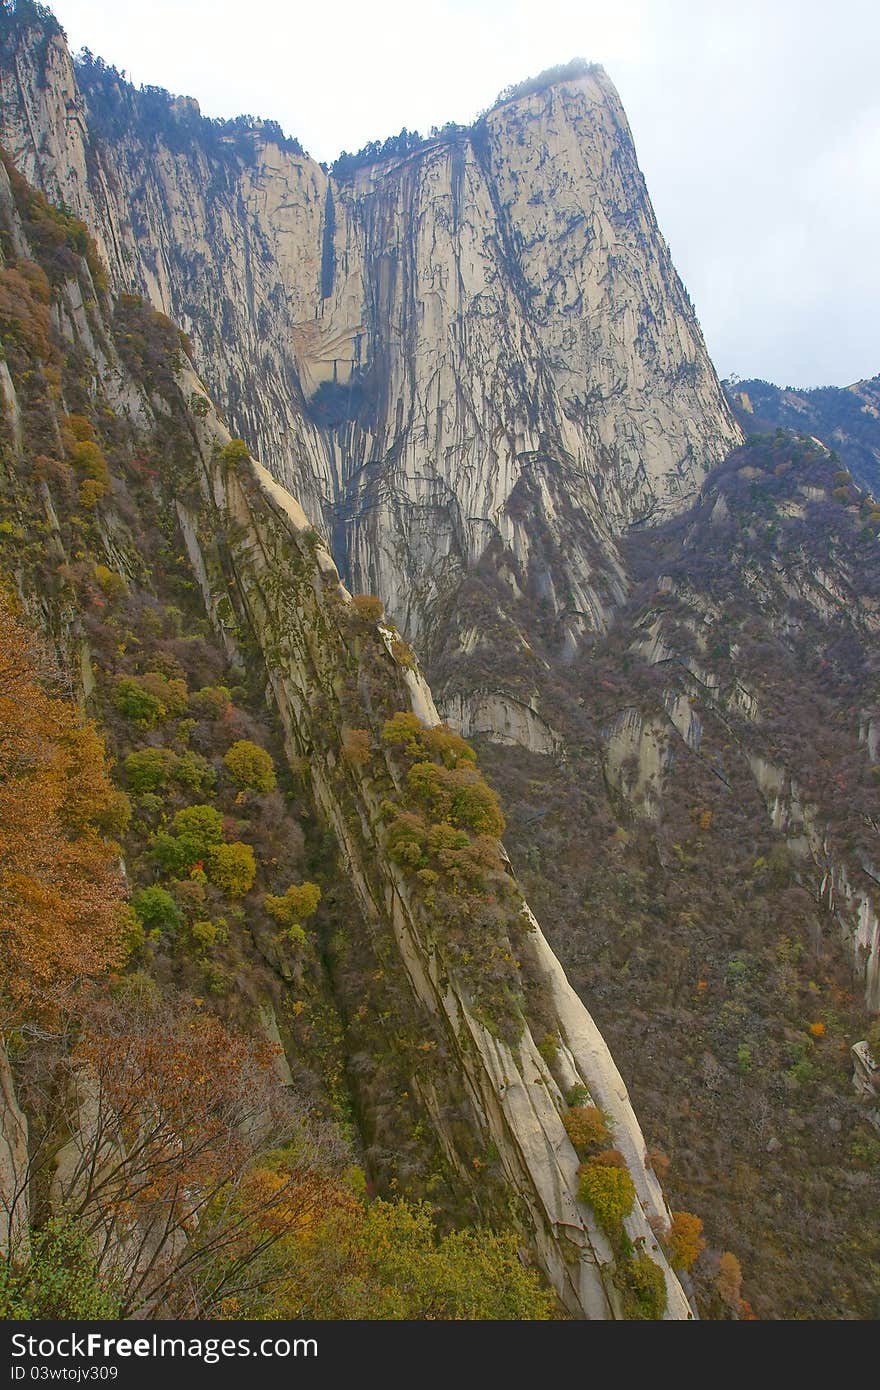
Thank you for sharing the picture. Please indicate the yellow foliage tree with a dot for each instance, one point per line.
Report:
(685, 1239)
(62, 914)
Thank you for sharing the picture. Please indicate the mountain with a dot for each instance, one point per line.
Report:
(437, 352)
(470, 360)
(205, 625)
(697, 828)
(847, 419)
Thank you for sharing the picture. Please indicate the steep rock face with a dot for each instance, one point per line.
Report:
(482, 1083)
(615, 324)
(286, 587)
(444, 354)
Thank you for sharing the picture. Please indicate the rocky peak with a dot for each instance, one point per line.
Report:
(444, 353)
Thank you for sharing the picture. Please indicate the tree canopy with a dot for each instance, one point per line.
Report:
(62, 915)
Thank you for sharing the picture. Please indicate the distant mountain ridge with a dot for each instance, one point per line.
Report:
(846, 418)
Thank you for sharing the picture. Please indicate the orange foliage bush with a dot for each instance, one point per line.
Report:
(586, 1127)
(611, 1158)
(63, 917)
(368, 606)
(659, 1161)
(356, 747)
(684, 1239)
(24, 311)
(728, 1280)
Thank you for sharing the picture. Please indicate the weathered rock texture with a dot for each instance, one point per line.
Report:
(442, 353)
(287, 591)
(14, 1173)
(273, 594)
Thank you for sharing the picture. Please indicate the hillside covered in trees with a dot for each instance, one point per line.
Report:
(847, 419)
(173, 905)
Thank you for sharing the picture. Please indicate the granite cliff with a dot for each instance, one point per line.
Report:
(110, 447)
(440, 352)
(470, 360)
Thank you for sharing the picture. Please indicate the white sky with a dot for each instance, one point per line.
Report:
(757, 125)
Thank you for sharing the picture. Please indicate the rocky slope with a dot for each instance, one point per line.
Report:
(441, 352)
(701, 832)
(113, 457)
(476, 367)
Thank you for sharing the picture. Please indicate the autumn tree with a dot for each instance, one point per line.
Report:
(187, 1158)
(385, 1260)
(62, 915)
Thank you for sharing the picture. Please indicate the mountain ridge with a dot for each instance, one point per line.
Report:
(407, 447)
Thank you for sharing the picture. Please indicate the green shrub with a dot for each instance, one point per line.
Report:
(459, 795)
(407, 836)
(233, 868)
(295, 905)
(60, 1280)
(132, 929)
(89, 460)
(643, 1285)
(149, 698)
(149, 805)
(207, 934)
(235, 452)
(197, 830)
(250, 766)
(200, 823)
(195, 772)
(609, 1191)
(383, 1260)
(137, 704)
(171, 692)
(449, 747)
(211, 702)
(157, 910)
(405, 730)
(148, 769)
(171, 855)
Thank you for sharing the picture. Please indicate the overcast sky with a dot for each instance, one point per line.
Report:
(757, 125)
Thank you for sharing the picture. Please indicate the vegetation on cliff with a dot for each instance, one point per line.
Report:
(698, 929)
(181, 1163)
